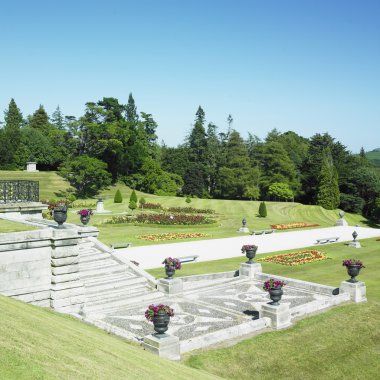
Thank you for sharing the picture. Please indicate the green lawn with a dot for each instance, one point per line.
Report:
(342, 342)
(36, 343)
(227, 218)
(8, 226)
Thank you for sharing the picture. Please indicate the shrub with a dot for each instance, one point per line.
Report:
(152, 206)
(132, 205)
(188, 199)
(191, 210)
(142, 202)
(118, 197)
(263, 210)
(133, 197)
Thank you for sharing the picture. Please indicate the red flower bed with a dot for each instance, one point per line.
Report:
(172, 236)
(296, 258)
(288, 226)
(191, 210)
(151, 206)
(172, 219)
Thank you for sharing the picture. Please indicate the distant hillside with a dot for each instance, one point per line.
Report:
(374, 156)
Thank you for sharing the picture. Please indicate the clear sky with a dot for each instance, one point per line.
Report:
(303, 65)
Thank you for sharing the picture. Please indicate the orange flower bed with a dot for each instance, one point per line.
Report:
(296, 258)
(172, 236)
(288, 226)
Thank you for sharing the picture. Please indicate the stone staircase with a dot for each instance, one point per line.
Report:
(110, 284)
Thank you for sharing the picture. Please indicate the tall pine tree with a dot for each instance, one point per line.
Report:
(328, 195)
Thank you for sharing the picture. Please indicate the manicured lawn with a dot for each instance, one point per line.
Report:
(36, 343)
(342, 342)
(227, 218)
(8, 226)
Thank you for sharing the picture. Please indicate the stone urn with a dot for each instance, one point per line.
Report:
(250, 253)
(161, 322)
(85, 219)
(275, 295)
(353, 271)
(60, 216)
(169, 270)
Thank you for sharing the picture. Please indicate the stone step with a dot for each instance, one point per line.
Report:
(115, 269)
(124, 283)
(99, 264)
(94, 257)
(88, 252)
(105, 278)
(117, 296)
(143, 298)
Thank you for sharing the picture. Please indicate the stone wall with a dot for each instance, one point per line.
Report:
(42, 267)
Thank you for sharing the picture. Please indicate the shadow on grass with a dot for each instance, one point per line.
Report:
(370, 223)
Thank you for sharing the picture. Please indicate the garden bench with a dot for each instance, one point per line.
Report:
(123, 244)
(327, 240)
(261, 232)
(187, 259)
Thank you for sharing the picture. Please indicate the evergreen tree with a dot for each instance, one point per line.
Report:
(263, 210)
(328, 195)
(57, 119)
(142, 202)
(133, 197)
(11, 137)
(40, 120)
(132, 206)
(131, 110)
(118, 197)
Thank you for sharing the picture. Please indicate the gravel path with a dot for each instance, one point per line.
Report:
(215, 249)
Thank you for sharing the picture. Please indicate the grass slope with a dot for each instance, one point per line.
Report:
(342, 342)
(8, 226)
(36, 343)
(229, 213)
(374, 156)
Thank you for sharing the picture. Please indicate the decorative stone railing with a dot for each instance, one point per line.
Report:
(19, 191)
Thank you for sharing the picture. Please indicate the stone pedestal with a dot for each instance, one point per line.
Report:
(244, 230)
(341, 222)
(357, 290)
(31, 167)
(99, 206)
(355, 244)
(173, 286)
(279, 315)
(249, 270)
(165, 346)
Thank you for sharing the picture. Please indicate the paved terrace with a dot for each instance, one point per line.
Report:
(215, 249)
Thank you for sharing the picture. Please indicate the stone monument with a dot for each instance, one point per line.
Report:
(100, 205)
(31, 167)
(244, 227)
(341, 221)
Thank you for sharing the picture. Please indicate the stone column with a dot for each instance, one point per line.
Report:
(165, 346)
(67, 291)
(249, 270)
(279, 315)
(172, 286)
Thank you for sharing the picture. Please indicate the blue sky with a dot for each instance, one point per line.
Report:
(303, 65)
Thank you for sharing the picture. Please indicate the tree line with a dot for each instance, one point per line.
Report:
(113, 142)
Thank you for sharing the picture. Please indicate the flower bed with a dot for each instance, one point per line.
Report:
(191, 210)
(118, 219)
(288, 226)
(172, 236)
(151, 206)
(296, 258)
(172, 219)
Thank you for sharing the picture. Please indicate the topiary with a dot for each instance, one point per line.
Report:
(118, 197)
(188, 199)
(133, 197)
(132, 205)
(263, 210)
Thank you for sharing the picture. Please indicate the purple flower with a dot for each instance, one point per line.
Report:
(350, 262)
(273, 284)
(85, 212)
(154, 310)
(172, 262)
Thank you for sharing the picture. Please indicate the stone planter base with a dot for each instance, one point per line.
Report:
(279, 315)
(356, 290)
(165, 346)
(172, 286)
(250, 270)
(355, 244)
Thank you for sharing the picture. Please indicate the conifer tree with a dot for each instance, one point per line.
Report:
(263, 210)
(328, 195)
(58, 119)
(133, 197)
(118, 197)
(12, 134)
